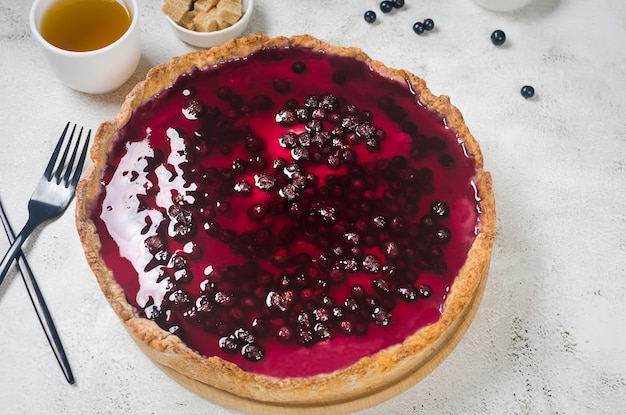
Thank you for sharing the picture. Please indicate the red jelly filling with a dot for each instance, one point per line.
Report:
(290, 212)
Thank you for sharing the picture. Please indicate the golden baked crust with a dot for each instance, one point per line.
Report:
(413, 359)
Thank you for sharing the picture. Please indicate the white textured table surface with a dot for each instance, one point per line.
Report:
(549, 337)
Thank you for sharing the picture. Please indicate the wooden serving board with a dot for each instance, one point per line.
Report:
(436, 354)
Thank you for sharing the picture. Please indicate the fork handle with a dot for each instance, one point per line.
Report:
(15, 247)
(39, 303)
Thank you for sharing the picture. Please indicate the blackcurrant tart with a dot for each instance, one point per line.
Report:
(288, 223)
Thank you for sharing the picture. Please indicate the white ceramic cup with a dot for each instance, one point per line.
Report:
(502, 5)
(96, 71)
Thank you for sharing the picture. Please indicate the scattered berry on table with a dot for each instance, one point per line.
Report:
(398, 3)
(386, 6)
(527, 91)
(370, 16)
(429, 24)
(418, 28)
(498, 37)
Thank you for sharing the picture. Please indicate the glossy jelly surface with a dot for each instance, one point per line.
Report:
(290, 212)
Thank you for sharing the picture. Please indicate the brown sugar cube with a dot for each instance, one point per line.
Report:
(206, 21)
(204, 5)
(176, 9)
(229, 11)
(222, 25)
(188, 20)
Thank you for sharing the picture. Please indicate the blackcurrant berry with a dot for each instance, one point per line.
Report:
(498, 37)
(439, 208)
(398, 3)
(418, 28)
(386, 6)
(429, 24)
(298, 67)
(370, 16)
(527, 91)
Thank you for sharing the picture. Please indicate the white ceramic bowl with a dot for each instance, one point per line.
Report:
(502, 5)
(210, 39)
(96, 71)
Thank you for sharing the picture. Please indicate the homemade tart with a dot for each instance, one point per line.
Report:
(285, 224)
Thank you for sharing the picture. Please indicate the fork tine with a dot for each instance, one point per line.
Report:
(68, 167)
(81, 161)
(61, 165)
(48, 173)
